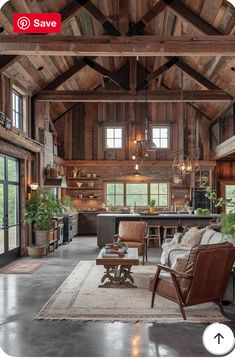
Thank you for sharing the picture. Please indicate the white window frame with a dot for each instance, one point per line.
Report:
(168, 136)
(25, 101)
(105, 136)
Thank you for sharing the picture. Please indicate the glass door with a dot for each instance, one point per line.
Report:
(9, 209)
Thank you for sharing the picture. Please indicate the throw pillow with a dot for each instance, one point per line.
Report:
(181, 263)
(192, 237)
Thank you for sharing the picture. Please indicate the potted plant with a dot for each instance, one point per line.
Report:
(40, 210)
(152, 204)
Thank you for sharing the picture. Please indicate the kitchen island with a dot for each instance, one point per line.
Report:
(107, 224)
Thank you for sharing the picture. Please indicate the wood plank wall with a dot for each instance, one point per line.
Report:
(85, 125)
(81, 137)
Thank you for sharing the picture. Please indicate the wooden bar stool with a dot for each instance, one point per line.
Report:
(154, 234)
(169, 231)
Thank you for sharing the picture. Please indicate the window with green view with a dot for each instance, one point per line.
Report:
(139, 194)
(115, 194)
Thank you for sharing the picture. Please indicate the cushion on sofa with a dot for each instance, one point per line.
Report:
(211, 237)
(192, 237)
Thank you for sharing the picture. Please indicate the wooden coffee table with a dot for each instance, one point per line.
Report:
(118, 269)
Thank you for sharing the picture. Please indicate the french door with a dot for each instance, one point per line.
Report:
(9, 209)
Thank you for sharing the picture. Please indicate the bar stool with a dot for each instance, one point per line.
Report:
(169, 231)
(154, 234)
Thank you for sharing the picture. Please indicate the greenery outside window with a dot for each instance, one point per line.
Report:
(115, 194)
(160, 137)
(137, 194)
(229, 194)
(17, 110)
(113, 137)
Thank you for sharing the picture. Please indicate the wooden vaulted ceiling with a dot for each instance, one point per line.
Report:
(98, 17)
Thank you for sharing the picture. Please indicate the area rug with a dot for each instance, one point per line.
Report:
(80, 299)
(21, 267)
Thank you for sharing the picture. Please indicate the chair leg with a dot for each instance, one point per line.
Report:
(219, 303)
(155, 286)
(182, 310)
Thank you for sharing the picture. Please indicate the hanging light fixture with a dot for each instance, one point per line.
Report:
(146, 144)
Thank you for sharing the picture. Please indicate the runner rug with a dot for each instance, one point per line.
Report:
(21, 267)
(80, 299)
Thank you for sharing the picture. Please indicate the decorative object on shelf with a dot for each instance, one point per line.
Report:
(80, 196)
(90, 185)
(79, 184)
(93, 175)
(88, 175)
(202, 212)
(75, 172)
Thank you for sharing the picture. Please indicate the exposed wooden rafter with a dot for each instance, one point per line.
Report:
(138, 28)
(100, 17)
(106, 73)
(79, 65)
(120, 96)
(196, 75)
(158, 72)
(117, 46)
(66, 13)
(199, 23)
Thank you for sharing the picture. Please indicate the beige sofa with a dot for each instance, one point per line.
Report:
(181, 245)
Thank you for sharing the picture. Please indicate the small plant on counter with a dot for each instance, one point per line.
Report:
(152, 204)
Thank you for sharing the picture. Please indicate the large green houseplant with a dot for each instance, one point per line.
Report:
(40, 210)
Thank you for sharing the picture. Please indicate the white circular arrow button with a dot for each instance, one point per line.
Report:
(218, 339)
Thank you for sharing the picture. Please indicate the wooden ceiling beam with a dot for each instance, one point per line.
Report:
(100, 17)
(69, 10)
(158, 72)
(133, 74)
(120, 96)
(196, 75)
(139, 27)
(78, 66)
(117, 46)
(199, 23)
(66, 13)
(106, 73)
(6, 61)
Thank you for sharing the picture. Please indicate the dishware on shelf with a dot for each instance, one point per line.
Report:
(91, 185)
(94, 175)
(79, 184)
(88, 175)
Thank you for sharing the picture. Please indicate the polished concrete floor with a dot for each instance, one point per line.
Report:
(22, 297)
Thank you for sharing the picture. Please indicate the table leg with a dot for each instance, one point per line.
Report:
(117, 276)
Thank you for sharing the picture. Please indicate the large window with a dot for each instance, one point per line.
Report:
(113, 137)
(17, 110)
(160, 136)
(139, 194)
(115, 194)
(230, 195)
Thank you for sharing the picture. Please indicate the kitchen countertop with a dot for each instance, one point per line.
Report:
(190, 216)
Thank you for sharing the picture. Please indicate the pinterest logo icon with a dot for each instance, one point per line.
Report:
(23, 23)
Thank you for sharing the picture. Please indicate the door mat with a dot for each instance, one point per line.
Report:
(80, 299)
(21, 267)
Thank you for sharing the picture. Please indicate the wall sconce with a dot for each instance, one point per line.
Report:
(33, 186)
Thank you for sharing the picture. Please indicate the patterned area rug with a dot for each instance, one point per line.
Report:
(21, 267)
(80, 299)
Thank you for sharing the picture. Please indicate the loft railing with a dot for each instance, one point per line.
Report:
(223, 128)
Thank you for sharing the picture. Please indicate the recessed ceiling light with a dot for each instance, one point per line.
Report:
(40, 68)
(1, 29)
(233, 69)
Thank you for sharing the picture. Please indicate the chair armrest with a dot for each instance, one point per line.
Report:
(171, 271)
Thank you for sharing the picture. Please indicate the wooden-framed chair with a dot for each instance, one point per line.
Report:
(201, 278)
(134, 234)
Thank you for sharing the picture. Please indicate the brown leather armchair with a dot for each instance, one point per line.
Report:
(202, 277)
(134, 234)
